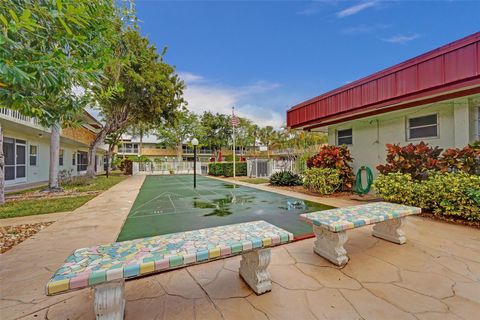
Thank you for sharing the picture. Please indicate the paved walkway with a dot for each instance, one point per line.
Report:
(435, 275)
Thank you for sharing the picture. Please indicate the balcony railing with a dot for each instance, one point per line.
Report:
(20, 118)
(128, 150)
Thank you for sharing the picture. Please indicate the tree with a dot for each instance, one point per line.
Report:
(138, 87)
(113, 140)
(48, 48)
(216, 131)
(244, 134)
(184, 127)
(267, 136)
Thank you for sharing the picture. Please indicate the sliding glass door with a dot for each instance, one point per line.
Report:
(15, 153)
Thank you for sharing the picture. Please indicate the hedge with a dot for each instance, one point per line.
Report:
(226, 169)
(215, 169)
(322, 180)
(445, 193)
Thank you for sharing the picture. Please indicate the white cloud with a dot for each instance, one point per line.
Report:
(190, 77)
(216, 97)
(356, 9)
(401, 38)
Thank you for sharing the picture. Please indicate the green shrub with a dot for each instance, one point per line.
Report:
(453, 194)
(322, 180)
(396, 187)
(445, 193)
(215, 169)
(240, 169)
(226, 169)
(285, 178)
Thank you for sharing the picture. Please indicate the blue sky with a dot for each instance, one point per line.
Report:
(266, 56)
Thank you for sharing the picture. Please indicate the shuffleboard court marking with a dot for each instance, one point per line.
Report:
(168, 204)
(155, 198)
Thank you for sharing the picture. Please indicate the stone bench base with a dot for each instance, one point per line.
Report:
(330, 244)
(109, 301)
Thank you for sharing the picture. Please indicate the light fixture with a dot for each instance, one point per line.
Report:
(195, 144)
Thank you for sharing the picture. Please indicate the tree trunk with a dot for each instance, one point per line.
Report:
(92, 152)
(179, 151)
(140, 146)
(2, 165)
(108, 163)
(54, 155)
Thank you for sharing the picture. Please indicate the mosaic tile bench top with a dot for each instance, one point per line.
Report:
(133, 258)
(341, 219)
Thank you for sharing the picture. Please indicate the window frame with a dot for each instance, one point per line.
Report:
(407, 127)
(30, 155)
(61, 157)
(338, 137)
(81, 165)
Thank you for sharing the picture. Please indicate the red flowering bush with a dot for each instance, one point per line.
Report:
(414, 159)
(466, 160)
(335, 157)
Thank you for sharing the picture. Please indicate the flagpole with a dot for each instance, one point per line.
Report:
(233, 115)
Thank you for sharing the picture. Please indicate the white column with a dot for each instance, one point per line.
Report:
(390, 230)
(461, 123)
(330, 245)
(109, 301)
(253, 269)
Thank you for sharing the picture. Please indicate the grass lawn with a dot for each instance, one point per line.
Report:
(28, 207)
(41, 206)
(100, 183)
(254, 180)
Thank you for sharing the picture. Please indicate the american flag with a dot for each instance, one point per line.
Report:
(235, 121)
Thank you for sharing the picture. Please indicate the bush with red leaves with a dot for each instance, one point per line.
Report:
(414, 159)
(335, 157)
(466, 160)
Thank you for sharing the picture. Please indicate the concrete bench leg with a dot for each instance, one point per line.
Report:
(390, 230)
(253, 270)
(330, 245)
(109, 303)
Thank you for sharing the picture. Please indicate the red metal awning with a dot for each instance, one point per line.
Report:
(450, 71)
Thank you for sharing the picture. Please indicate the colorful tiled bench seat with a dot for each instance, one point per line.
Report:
(105, 267)
(330, 226)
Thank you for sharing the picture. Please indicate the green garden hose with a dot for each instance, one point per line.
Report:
(358, 187)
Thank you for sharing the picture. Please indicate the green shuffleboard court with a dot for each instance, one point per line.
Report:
(167, 204)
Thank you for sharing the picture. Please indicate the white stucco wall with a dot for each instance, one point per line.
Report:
(39, 172)
(458, 126)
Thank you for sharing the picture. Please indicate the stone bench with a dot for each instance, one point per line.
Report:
(330, 226)
(105, 267)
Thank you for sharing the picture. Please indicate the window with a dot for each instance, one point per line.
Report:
(422, 127)
(344, 137)
(82, 160)
(60, 158)
(74, 158)
(33, 155)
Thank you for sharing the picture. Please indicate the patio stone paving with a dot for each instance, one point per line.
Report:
(435, 275)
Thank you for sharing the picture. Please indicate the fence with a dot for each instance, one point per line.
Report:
(264, 168)
(173, 167)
